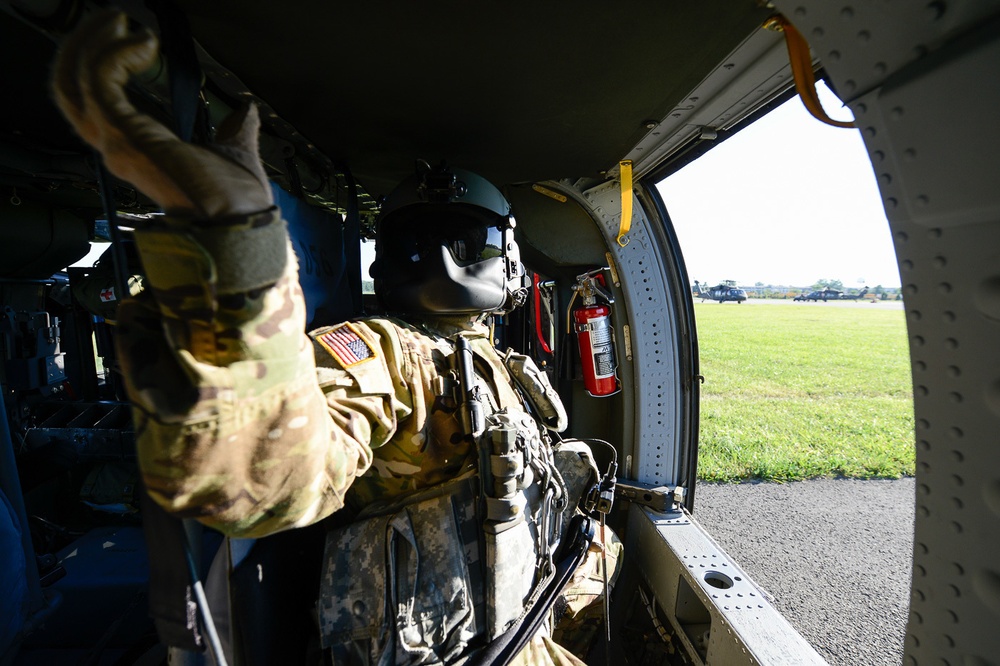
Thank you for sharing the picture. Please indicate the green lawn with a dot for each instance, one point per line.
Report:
(795, 391)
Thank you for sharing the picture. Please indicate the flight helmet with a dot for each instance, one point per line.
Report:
(445, 245)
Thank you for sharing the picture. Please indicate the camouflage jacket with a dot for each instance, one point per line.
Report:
(249, 425)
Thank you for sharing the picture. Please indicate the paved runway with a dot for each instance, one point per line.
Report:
(834, 554)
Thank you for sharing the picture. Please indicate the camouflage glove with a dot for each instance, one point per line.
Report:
(221, 235)
(91, 71)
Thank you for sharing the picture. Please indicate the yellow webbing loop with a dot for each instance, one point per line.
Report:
(625, 167)
(802, 71)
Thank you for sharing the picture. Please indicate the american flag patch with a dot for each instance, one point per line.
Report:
(344, 343)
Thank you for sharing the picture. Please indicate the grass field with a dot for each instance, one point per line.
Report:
(795, 391)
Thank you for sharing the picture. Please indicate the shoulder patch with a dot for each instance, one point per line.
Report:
(346, 345)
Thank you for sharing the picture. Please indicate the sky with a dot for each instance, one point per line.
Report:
(787, 201)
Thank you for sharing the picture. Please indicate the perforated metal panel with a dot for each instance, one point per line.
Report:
(652, 370)
(707, 596)
(921, 79)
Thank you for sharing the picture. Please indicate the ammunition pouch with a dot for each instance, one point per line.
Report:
(524, 497)
(537, 390)
(400, 588)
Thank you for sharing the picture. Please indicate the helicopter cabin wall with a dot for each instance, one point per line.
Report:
(560, 239)
(918, 78)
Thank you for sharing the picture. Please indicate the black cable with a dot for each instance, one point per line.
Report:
(614, 451)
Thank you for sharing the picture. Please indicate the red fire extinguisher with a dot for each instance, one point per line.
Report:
(595, 336)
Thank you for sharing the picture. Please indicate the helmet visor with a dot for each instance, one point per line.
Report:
(468, 238)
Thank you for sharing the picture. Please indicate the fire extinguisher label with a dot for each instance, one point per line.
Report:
(601, 344)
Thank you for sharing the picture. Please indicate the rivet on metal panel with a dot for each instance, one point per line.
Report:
(987, 297)
(991, 494)
(935, 10)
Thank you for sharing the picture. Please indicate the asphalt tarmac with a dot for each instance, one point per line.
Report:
(833, 553)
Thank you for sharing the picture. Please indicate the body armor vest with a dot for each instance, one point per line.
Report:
(432, 577)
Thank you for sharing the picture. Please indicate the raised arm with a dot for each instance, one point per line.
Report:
(231, 426)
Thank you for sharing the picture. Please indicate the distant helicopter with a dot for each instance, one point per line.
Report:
(722, 292)
(829, 294)
(854, 297)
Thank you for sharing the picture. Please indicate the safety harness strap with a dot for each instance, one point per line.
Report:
(625, 169)
(802, 70)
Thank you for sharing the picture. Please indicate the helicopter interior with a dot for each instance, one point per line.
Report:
(575, 114)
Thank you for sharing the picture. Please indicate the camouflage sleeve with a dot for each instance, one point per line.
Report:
(231, 425)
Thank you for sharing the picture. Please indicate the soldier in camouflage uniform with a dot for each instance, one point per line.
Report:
(252, 427)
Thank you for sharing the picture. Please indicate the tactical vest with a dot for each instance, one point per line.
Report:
(433, 577)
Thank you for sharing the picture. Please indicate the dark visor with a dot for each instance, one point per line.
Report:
(467, 237)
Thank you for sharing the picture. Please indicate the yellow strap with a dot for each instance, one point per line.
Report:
(561, 198)
(802, 70)
(626, 221)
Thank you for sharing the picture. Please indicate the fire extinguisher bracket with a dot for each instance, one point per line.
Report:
(595, 336)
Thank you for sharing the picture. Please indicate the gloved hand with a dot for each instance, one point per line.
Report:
(91, 71)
